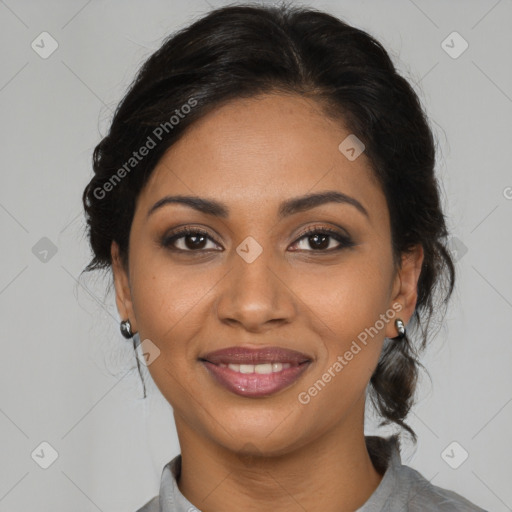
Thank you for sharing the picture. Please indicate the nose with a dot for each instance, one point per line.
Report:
(256, 295)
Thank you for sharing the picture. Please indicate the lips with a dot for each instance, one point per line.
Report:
(244, 355)
(255, 372)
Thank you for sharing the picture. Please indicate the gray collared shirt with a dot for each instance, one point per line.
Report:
(402, 489)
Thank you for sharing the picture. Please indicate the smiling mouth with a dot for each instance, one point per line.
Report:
(256, 380)
(255, 372)
(261, 369)
(243, 355)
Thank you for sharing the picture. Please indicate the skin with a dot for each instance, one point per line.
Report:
(266, 453)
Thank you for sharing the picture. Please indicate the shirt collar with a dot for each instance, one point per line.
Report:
(390, 463)
(172, 500)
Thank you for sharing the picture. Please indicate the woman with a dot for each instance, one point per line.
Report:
(267, 203)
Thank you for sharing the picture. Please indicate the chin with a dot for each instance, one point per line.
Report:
(268, 433)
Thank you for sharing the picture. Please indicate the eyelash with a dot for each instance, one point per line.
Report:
(343, 240)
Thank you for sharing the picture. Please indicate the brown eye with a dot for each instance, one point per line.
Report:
(194, 240)
(319, 239)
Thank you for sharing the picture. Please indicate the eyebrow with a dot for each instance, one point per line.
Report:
(287, 208)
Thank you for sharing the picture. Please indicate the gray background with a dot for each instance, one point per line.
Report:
(68, 377)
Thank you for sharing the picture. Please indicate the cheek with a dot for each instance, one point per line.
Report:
(168, 301)
(170, 309)
(349, 312)
(350, 297)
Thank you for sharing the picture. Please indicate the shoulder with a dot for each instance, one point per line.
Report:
(405, 489)
(152, 505)
(422, 496)
(168, 490)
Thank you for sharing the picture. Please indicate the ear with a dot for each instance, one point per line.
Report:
(122, 285)
(405, 287)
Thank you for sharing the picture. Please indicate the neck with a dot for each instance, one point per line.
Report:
(333, 474)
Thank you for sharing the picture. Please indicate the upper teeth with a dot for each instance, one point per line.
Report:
(257, 368)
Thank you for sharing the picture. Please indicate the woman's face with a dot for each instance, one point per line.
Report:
(257, 279)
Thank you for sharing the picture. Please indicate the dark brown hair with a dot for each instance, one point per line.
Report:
(246, 50)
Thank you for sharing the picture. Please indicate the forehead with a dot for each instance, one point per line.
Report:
(254, 152)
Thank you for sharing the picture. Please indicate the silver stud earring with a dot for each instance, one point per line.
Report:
(400, 327)
(126, 329)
